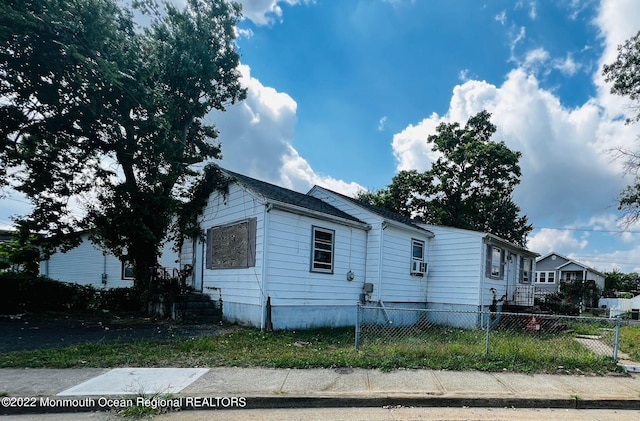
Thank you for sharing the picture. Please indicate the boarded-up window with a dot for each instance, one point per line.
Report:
(232, 245)
(494, 265)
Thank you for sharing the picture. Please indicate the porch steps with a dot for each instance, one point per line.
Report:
(197, 308)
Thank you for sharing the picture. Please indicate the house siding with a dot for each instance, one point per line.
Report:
(457, 264)
(86, 264)
(388, 254)
(374, 236)
(559, 265)
(290, 280)
(239, 289)
(301, 298)
(398, 285)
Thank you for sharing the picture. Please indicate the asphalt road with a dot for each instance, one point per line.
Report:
(24, 332)
(375, 414)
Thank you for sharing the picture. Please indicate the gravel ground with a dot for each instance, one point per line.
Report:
(28, 332)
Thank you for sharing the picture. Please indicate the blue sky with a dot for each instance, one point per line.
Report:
(344, 93)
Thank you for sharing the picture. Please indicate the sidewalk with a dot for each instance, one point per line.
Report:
(74, 390)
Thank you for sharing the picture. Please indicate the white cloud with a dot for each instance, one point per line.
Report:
(515, 37)
(547, 240)
(535, 56)
(617, 21)
(567, 66)
(265, 12)
(566, 169)
(298, 175)
(463, 75)
(257, 140)
(501, 17)
(381, 123)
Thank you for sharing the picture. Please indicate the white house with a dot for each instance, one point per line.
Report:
(88, 264)
(282, 259)
(471, 269)
(279, 258)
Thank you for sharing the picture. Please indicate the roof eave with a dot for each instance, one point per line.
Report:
(299, 210)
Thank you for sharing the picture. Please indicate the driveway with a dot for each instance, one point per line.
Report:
(28, 332)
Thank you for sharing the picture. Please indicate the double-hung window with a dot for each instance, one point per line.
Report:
(494, 262)
(323, 245)
(546, 277)
(525, 270)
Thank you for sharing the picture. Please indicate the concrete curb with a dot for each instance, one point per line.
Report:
(304, 402)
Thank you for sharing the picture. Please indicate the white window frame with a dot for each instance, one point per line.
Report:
(322, 246)
(417, 266)
(546, 275)
(527, 266)
(126, 272)
(496, 262)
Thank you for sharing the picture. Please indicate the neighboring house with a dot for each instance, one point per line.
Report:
(554, 268)
(282, 259)
(469, 269)
(88, 264)
(6, 235)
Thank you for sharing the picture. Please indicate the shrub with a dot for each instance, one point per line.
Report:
(36, 294)
(119, 300)
(557, 304)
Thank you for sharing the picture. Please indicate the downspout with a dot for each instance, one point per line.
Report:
(483, 262)
(263, 275)
(383, 226)
(203, 246)
(103, 279)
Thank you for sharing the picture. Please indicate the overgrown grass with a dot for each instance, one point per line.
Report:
(630, 341)
(458, 350)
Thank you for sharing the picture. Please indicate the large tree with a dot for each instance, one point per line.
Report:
(101, 112)
(624, 74)
(469, 186)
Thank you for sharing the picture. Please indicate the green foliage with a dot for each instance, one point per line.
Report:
(624, 72)
(630, 341)
(469, 186)
(20, 255)
(96, 107)
(616, 282)
(557, 303)
(24, 293)
(585, 292)
(446, 348)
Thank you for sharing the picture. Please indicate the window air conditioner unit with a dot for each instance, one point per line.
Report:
(419, 268)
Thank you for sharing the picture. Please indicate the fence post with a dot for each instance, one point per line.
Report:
(358, 327)
(486, 346)
(616, 340)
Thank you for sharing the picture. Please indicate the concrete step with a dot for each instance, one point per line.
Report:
(197, 308)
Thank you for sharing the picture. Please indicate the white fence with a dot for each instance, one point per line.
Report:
(618, 306)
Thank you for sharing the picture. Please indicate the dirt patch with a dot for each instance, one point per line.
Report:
(29, 332)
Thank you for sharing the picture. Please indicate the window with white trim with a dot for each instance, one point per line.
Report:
(418, 266)
(127, 270)
(322, 253)
(494, 258)
(545, 277)
(525, 270)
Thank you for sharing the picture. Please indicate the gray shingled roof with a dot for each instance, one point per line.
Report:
(386, 214)
(280, 194)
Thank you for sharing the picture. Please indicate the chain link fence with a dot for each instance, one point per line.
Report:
(485, 333)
